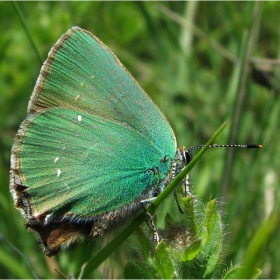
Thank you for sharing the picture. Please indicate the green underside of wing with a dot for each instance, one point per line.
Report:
(77, 163)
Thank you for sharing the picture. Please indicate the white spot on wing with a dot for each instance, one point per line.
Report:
(79, 118)
(58, 172)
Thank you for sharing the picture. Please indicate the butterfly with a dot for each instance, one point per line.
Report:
(92, 147)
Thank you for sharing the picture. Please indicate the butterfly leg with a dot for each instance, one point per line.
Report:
(187, 186)
(147, 201)
(150, 221)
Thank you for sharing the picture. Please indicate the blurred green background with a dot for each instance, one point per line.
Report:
(202, 63)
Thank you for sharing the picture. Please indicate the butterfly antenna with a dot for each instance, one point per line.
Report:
(250, 146)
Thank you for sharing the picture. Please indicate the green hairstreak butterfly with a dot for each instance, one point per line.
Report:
(93, 145)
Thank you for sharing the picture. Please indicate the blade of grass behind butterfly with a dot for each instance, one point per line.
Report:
(95, 261)
(269, 124)
(254, 249)
(263, 200)
(261, 179)
(8, 261)
(182, 79)
(252, 205)
(30, 38)
(18, 268)
(237, 88)
(164, 45)
(233, 91)
(240, 93)
(13, 259)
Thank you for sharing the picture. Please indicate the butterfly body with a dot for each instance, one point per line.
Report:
(92, 147)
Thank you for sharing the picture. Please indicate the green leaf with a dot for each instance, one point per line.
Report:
(192, 251)
(144, 243)
(139, 270)
(188, 208)
(169, 219)
(253, 252)
(234, 273)
(163, 262)
(213, 245)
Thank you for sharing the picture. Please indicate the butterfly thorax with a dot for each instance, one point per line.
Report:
(181, 159)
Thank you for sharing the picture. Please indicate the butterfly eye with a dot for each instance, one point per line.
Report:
(187, 156)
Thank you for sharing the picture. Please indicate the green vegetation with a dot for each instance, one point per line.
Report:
(203, 63)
